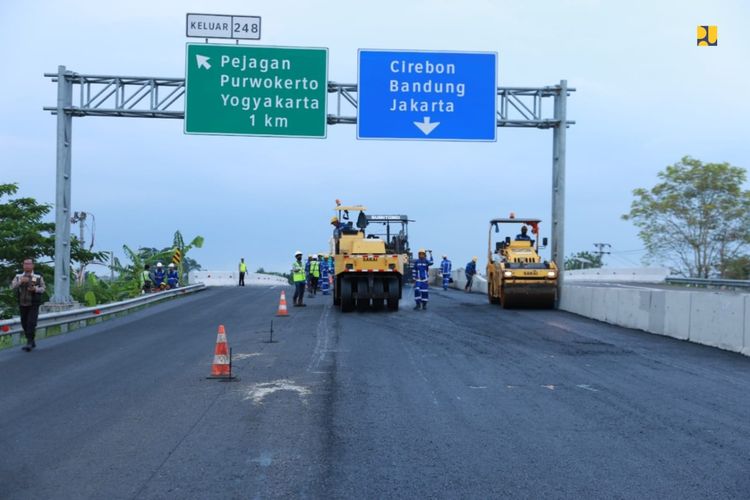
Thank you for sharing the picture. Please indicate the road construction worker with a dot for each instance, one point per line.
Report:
(523, 235)
(445, 271)
(243, 270)
(336, 226)
(471, 270)
(421, 275)
(173, 277)
(308, 281)
(298, 277)
(314, 275)
(146, 280)
(159, 275)
(331, 273)
(324, 273)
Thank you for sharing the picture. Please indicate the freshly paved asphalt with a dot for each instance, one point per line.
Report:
(465, 400)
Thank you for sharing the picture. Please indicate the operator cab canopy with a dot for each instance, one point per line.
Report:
(343, 215)
(533, 223)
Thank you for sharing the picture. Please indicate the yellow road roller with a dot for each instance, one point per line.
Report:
(516, 274)
(365, 276)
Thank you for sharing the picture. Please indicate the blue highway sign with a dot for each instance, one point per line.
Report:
(427, 95)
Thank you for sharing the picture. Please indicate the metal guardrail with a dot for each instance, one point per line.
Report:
(84, 314)
(709, 282)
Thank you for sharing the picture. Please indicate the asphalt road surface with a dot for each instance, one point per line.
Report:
(464, 400)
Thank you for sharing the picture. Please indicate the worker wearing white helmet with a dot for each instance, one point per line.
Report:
(314, 275)
(173, 277)
(298, 277)
(159, 275)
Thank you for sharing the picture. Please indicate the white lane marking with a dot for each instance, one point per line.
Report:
(323, 334)
(477, 387)
(240, 357)
(550, 387)
(265, 459)
(257, 392)
(587, 387)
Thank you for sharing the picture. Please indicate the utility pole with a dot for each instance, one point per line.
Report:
(600, 252)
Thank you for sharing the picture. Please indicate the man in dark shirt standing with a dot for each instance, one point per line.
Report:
(29, 288)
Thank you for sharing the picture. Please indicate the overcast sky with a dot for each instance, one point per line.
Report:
(646, 95)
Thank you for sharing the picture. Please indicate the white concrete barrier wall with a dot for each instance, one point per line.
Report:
(619, 274)
(711, 318)
(232, 278)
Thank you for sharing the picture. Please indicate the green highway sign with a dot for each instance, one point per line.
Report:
(251, 90)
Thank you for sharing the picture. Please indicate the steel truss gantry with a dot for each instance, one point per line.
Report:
(151, 97)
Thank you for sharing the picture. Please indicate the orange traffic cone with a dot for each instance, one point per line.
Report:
(222, 365)
(282, 305)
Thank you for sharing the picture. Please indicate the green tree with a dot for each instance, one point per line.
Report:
(737, 268)
(179, 244)
(583, 260)
(697, 217)
(23, 234)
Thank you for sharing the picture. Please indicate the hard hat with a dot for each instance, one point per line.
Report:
(445, 256)
(474, 259)
(170, 265)
(314, 257)
(297, 253)
(421, 250)
(334, 219)
(158, 264)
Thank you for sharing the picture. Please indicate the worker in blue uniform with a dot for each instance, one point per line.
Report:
(523, 235)
(421, 275)
(324, 271)
(173, 277)
(445, 271)
(159, 275)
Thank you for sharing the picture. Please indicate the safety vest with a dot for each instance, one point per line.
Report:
(243, 267)
(298, 272)
(315, 269)
(145, 276)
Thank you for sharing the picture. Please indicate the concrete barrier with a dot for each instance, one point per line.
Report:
(232, 278)
(718, 319)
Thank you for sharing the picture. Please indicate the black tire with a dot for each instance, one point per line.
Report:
(335, 292)
(378, 288)
(363, 295)
(393, 292)
(346, 297)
